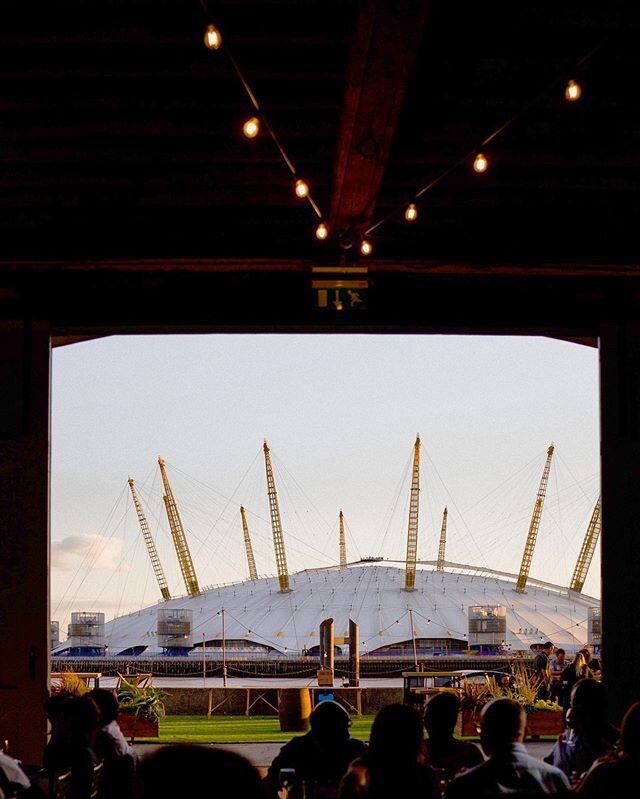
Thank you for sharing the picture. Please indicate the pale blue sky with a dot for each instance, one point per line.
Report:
(340, 414)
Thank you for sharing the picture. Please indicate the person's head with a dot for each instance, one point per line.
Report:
(502, 722)
(330, 721)
(441, 714)
(179, 770)
(107, 703)
(579, 662)
(560, 655)
(588, 706)
(78, 718)
(586, 654)
(630, 731)
(396, 734)
(547, 647)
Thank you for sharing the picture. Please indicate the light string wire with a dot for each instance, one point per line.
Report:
(544, 94)
(263, 118)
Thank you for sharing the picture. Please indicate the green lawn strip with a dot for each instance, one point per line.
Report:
(244, 729)
(236, 729)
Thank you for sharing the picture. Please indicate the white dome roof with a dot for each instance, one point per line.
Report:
(372, 595)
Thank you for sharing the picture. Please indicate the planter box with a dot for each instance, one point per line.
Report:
(540, 722)
(545, 722)
(133, 726)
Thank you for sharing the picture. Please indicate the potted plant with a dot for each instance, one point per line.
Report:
(544, 717)
(141, 706)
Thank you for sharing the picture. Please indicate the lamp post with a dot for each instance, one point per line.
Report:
(204, 666)
(224, 653)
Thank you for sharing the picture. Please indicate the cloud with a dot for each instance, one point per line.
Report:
(89, 551)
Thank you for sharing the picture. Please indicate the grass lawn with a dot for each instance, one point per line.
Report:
(236, 729)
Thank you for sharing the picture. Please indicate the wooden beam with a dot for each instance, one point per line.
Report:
(387, 38)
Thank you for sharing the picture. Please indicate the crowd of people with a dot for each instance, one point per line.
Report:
(409, 753)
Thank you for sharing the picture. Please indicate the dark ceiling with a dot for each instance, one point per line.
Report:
(120, 134)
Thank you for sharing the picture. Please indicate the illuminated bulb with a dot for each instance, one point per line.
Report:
(365, 247)
(301, 188)
(322, 231)
(572, 91)
(481, 163)
(251, 127)
(411, 213)
(212, 37)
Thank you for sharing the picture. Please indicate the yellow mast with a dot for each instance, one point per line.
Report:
(276, 525)
(343, 545)
(179, 538)
(533, 527)
(253, 573)
(443, 542)
(587, 550)
(412, 533)
(151, 547)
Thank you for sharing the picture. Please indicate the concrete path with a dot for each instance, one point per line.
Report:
(261, 754)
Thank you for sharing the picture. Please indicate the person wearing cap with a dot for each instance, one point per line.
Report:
(320, 757)
(542, 671)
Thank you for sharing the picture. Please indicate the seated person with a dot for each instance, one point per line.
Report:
(322, 755)
(394, 764)
(14, 781)
(589, 735)
(109, 744)
(73, 720)
(615, 773)
(509, 768)
(443, 752)
(192, 770)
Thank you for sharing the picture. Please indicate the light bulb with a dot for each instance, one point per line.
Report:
(322, 231)
(411, 214)
(301, 188)
(365, 247)
(572, 91)
(212, 37)
(251, 127)
(481, 163)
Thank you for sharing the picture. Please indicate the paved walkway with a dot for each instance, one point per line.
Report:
(261, 754)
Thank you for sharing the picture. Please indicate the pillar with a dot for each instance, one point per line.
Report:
(24, 541)
(620, 538)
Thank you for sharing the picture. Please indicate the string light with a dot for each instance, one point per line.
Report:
(411, 214)
(251, 127)
(573, 91)
(481, 163)
(212, 37)
(302, 189)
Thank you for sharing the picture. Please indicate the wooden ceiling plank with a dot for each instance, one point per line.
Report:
(385, 44)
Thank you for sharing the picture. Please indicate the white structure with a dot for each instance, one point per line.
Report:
(258, 617)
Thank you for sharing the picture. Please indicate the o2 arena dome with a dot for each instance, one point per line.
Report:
(442, 607)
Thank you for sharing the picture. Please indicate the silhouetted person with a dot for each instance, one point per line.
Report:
(509, 768)
(110, 745)
(187, 771)
(574, 671)
(447, 755)
(589, 735)
(394, 764)
(322, 755)
(616, 774)
(73, 720)
(542, 670)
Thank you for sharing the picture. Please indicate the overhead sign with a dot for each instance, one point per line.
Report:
(340, 288)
